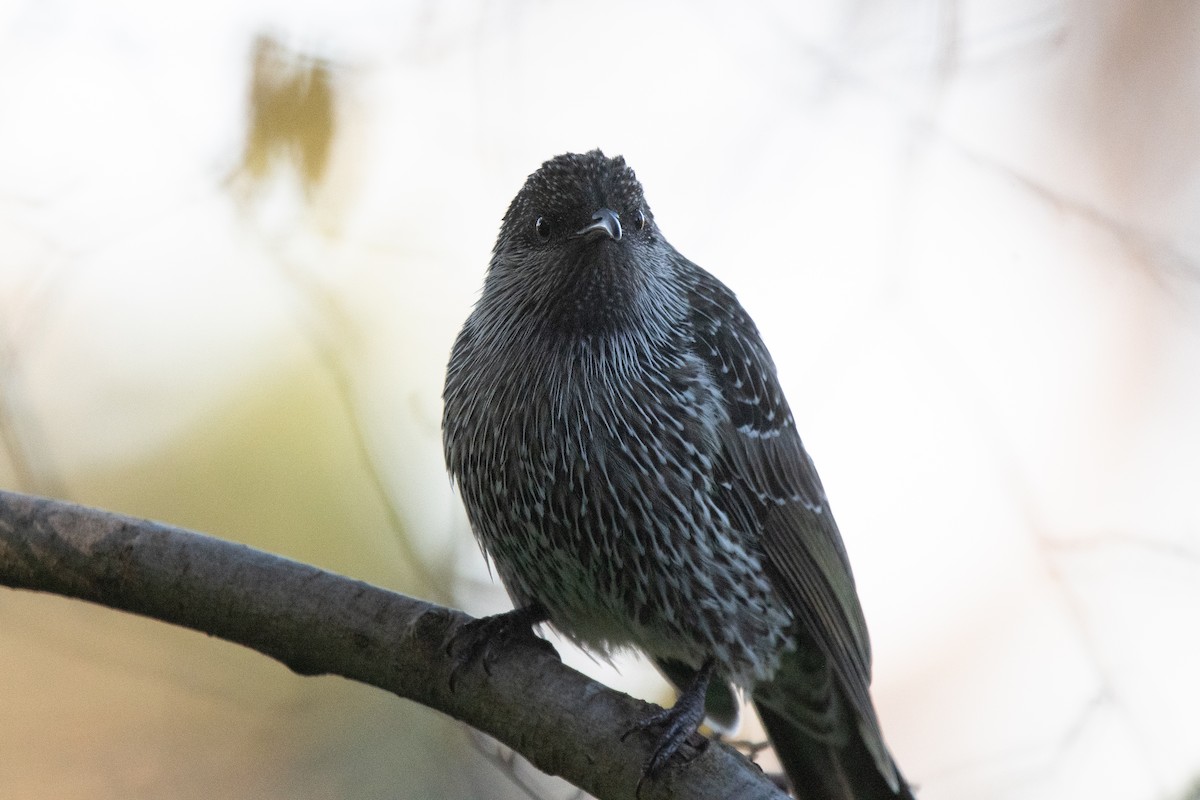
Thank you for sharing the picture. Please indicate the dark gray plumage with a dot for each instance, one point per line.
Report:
(627, 459)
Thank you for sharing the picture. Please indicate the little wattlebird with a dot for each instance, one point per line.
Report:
(627, 459)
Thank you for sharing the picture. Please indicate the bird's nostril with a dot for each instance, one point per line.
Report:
(605, 221)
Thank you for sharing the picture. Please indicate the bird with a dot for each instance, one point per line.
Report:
(618, 434)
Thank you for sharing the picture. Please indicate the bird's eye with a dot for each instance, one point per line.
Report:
(639, 220)
(542, 226)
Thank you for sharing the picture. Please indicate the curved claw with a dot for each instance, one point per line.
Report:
(476, 640)
(678, 723)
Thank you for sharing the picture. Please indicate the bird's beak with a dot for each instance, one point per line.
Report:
(603, 221)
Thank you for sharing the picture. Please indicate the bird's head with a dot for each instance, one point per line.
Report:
(578, 248)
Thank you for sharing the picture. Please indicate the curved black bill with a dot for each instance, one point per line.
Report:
(604, 221)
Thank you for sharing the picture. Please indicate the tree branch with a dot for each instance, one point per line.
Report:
(316, 622)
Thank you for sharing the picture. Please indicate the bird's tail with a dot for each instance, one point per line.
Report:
(820, 769)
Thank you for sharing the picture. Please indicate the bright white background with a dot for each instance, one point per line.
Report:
(968, 231)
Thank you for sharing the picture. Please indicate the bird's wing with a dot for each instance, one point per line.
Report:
(774, 488)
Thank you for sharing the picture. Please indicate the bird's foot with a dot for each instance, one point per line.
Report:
(477, 639)
(676, 723)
